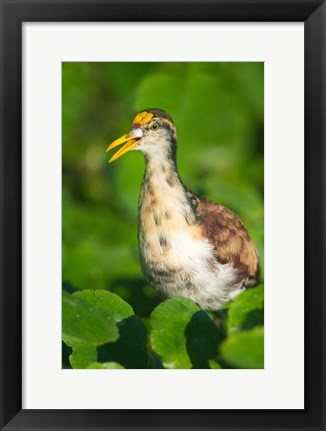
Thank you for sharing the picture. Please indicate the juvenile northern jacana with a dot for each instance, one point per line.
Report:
(189, 246)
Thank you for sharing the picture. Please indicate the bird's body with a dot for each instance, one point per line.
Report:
(189, 246)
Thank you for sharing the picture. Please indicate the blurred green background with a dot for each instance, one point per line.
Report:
(218, 109)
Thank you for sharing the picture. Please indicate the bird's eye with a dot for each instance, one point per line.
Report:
(155, 126)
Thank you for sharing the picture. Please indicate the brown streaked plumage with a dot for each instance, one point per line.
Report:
(189, 246)
(232, 243)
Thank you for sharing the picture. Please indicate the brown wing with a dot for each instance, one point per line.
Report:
(230, 238)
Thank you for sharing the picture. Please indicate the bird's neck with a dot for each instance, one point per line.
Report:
(161, 173)
(164, 193)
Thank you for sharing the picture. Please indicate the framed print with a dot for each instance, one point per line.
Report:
(191, 299)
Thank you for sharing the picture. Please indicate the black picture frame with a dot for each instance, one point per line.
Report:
(13, 14)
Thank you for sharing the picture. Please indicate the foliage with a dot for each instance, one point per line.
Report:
(111, 316)
(178, 334)
(245, 349)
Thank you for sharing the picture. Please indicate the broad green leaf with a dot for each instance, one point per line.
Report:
(83, 323)
(108, 301)
(65, 352)
(202, 339)
(246, 311)
(155, 361)
(214, 365)
(169, 321)
(82, 355)
(105, 366)
(131, 349)
(141, 296)
(244, 349)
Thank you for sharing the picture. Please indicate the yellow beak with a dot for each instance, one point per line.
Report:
(130, 142)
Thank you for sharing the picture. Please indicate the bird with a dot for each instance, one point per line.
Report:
(189, 246)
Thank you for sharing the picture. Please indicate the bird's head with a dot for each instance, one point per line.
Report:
(153, 133)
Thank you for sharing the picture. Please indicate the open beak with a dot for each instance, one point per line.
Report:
(130, 141)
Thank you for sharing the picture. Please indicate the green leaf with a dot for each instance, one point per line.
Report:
(82, 355)
(106, 366)
(244, 349)
(83, 323)
(214, 365)
(108, 301)
(168, 339)
(131, 348)
(65, 352)
(203, 336)
(247, 310)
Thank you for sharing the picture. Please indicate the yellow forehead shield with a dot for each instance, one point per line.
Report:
(142, 117)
